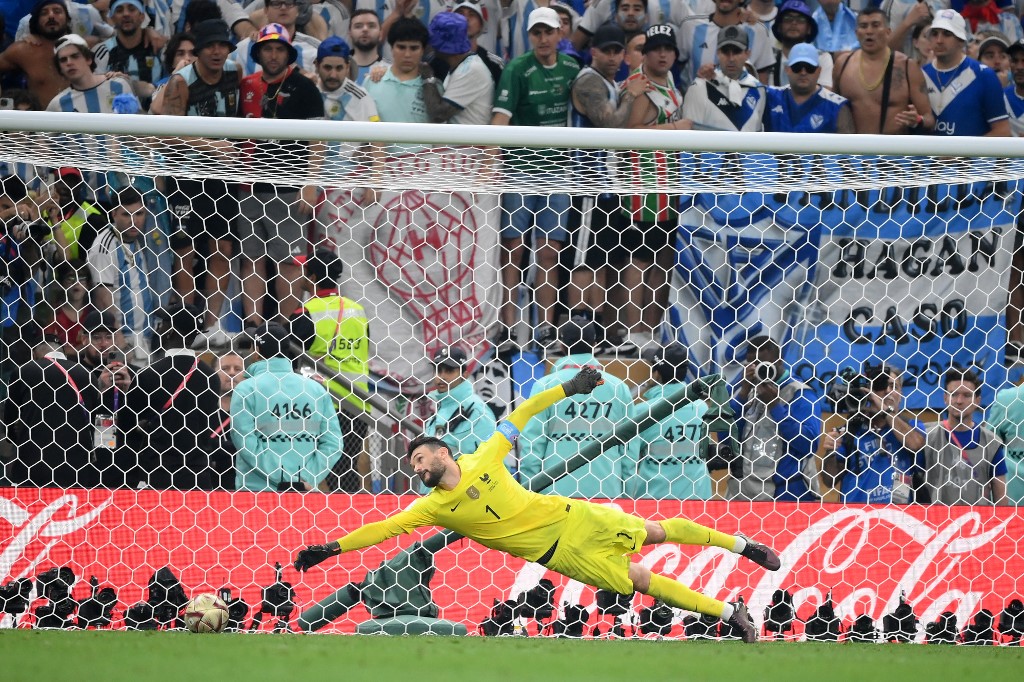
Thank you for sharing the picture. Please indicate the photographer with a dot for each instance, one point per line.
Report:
(965, 463)
(875, 458)
(779, 425)
(116, 463)
(21, 233)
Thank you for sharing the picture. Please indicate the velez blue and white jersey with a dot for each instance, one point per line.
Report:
(1015, 110)
(819, 114)
(305, 45)
(707, 104)
(698, 44)
(966, 99)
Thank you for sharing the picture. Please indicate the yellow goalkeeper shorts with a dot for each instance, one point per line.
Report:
(596, 545)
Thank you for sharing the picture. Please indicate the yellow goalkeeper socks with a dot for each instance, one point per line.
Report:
(686, 532)
(676, 594)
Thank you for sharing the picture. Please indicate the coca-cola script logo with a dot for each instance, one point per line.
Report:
(32, 535)
(866, 556)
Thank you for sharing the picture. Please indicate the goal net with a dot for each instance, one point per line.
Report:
(853, 303)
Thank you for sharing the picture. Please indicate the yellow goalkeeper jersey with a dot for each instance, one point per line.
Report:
(488, 505)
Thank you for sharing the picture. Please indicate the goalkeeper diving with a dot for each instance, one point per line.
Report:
(478, 498)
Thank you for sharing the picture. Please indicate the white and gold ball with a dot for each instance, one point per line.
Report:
(206, 613)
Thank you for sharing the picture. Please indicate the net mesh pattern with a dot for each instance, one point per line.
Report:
(822, 299)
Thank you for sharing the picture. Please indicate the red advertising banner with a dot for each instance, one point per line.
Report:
(956, 559)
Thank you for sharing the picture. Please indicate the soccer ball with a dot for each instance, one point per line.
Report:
(206, 613)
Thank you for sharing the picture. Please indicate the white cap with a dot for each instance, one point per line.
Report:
(70, 39)
(545, 16)
(950, 20)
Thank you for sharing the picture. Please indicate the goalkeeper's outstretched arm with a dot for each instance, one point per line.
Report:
(585, 381)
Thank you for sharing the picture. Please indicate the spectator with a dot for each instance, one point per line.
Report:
(983, 16)
(732, 99)
(462, 419)
(231, 372)
(100, 334)
(634, 58)
(128, 52)
(922, 40)
(471, 10)
(113, 456)
(534, 91)
(567, 19)
(344, 99)
(48, 417)
(779, 422)
(903, 16)
(393, 11)
(837, 26)
(653, 218)
(516, 27)
(796, 25)
(965, 463)
(632, 16)
(89, 93)
(1006, 419)
(48, 22)
(180, 52)
(876, 458)
(117, 260)
(176, 400)
(71, 305)
(964, 95)
(334, 330)
(672, 454)
(284, 13)
(284, 425)
(804, 106)
(364, 33)
(993, 52)
(399, 92)
(273, 218)
(1013, 97)
(313, 24)
(20, 235)
(559, 432)
(468, 88)
(84, 20)
(74, 218)
(882, 103)
(765, 11)
(596, 222)
(206, 209)
(698, 39)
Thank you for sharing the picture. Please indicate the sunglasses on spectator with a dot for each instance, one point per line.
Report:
(803, 67)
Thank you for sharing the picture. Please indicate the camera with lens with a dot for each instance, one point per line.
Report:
(656, 619)
(278, 601)
(55, 586)
(779, 615)
(237, 610)
(167, 597)
(573, 623)
(850, 387)
(98, 609)
(766, 371)
(14, 596)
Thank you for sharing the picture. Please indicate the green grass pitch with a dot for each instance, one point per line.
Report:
(38, 656)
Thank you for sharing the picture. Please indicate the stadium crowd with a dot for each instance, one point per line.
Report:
(115, 289)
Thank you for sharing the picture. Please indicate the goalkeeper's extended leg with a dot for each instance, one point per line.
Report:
(686, 532)
(678, 595)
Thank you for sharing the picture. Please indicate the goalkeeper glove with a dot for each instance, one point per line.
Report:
(314, 554)
(585, 381)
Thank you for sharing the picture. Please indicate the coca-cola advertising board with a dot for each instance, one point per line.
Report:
(958, 559)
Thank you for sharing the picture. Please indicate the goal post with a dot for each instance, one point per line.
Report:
(848, 252)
